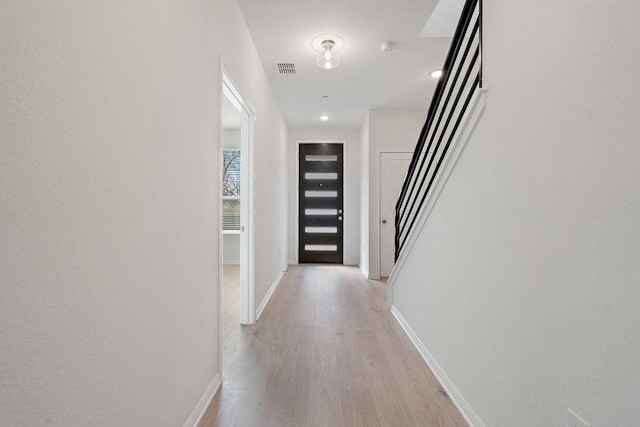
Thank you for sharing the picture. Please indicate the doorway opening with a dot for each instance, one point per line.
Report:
(237, 299)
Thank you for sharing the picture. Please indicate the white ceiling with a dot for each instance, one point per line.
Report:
(367, 78)
(444, 19)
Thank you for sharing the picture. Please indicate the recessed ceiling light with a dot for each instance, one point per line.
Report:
(324, 117)
(436, 74)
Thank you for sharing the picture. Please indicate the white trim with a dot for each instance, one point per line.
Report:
(456, 397)
(390, 290)
(232, 262)
(221, 236)
(476, 108)
(364, 271)
(203, 403)
(297, 189)
(374, 209)
(378, 238)
(247, 256)
(270, 292)
(292, 262)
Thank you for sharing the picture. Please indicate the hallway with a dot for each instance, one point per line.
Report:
(326, 351)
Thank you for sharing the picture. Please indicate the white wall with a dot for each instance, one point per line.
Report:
(270, 150)
(109, 216)
(231, 248)
(389, 130)
(270, 182)
(231, 139)
(524, 282)
(364, 197)
(351, 238)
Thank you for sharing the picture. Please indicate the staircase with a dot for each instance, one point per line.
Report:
(461, 79)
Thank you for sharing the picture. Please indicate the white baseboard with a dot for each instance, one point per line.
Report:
(233, 262)
(270, 292)
(351, 261)
(364, 271)
(292, 262)
(203, 404)
(456, 397)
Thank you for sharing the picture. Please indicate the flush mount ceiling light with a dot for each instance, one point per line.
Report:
(328, 45)
(387, 46)
(328, 60)
(436, 74)
(324, 117)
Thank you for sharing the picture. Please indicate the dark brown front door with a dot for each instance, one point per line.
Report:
(320, 203)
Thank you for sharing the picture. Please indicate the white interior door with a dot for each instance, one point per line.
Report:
(393, 168)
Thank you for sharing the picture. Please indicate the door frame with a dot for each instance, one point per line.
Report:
(379, 240)
(377, 246)
(229, 90)
(297, 188)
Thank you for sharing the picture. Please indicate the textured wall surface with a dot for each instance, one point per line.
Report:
(524, 282)
(389, 130)
(351, 155)
(231, 248)
(109, 180)
(364, 197)
(244, 67)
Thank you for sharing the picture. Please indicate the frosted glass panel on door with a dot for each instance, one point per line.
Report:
(320, 158)
(320, 175)
(321, 212)
(321, 194)
(323, 248)
(324, 230)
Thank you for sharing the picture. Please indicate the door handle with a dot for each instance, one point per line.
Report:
(384, 221)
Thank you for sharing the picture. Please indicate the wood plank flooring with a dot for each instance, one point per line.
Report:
(327, 352)
(232, 331)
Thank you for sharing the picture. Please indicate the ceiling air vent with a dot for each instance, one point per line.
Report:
(285, 68)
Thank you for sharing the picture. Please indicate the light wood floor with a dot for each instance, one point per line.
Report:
(327, 352)
(232, 331)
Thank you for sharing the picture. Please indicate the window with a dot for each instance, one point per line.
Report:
(231, 190)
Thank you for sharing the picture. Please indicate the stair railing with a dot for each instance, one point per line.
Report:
(461, 77)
